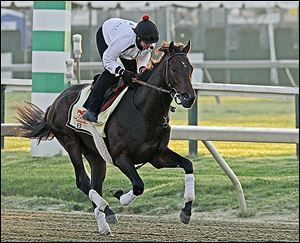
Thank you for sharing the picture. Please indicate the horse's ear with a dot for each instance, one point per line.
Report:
(171, 47)
(187, 48)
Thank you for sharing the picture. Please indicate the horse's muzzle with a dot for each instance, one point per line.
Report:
(187, 100)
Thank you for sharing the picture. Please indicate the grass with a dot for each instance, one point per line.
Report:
(269, 173)
(270, 184)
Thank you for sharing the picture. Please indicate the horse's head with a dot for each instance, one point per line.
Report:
(178, 73)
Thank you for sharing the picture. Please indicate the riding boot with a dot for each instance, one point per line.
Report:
(94, 102)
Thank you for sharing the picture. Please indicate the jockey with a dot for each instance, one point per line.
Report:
(132, 43)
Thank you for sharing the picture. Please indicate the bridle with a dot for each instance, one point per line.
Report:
(172, 91)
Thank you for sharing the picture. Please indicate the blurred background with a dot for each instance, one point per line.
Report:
(220, 30)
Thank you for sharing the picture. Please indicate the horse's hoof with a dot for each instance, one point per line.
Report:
(117, 193)
(110, 216)
(184, 218)
(111, 219)
(105, 232)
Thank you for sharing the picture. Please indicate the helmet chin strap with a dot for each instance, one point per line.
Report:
(138, 43)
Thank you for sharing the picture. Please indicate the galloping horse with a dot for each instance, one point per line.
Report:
(137, 132)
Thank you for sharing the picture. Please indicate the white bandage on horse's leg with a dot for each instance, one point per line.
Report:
(98, 200)
(189, 192)
(127, 198)
(103, 226)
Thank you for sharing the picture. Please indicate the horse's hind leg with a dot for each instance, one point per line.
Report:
(98, 172)
(71, 145)
(170, 159)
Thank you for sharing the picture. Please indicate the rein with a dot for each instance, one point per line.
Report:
(173, 93)
(159, 89)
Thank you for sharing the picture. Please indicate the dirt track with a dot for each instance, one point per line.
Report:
(50, 226)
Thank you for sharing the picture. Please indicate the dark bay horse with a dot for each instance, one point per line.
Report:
(137, 132)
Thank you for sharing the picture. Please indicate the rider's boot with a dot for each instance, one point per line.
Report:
(96, 97)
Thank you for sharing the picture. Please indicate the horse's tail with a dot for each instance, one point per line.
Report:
(34, 124)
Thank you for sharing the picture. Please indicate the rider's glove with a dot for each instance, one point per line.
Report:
(127, 77)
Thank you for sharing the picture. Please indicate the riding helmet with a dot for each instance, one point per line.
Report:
(146, 30)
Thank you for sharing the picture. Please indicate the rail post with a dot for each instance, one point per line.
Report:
(193, 120)
(197, 77)
(2, 111)
(297, 120)
(229, 172)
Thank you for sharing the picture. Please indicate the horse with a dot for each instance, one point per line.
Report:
(137, 132)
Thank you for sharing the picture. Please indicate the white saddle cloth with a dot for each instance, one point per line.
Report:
(75, 120)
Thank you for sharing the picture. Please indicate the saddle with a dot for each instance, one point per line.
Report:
(111, 93)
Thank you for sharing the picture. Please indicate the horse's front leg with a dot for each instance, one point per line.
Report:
(170, 159)
(127, 167)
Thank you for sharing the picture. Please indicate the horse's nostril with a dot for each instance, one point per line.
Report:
(186, 96)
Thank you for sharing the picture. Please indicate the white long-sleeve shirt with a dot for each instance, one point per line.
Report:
(121, 41)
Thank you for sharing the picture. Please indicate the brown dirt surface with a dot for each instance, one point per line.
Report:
(45, 226)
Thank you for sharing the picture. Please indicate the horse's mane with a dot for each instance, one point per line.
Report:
(154, 63)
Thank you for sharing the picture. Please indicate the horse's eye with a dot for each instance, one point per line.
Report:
(174, 70)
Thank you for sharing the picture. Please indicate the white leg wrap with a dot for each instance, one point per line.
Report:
(189, 192)
(97, 199)
(103, 226)
(127, 198)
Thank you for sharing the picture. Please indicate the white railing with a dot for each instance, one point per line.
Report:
(216, 89)
(210, 133)
(247, 64)
(237, 134)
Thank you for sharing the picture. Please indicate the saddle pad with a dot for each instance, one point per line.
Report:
(76, 110)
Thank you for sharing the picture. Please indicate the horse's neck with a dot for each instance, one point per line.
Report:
(151, 102)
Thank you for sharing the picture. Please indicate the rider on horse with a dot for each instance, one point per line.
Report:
(129, 41)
